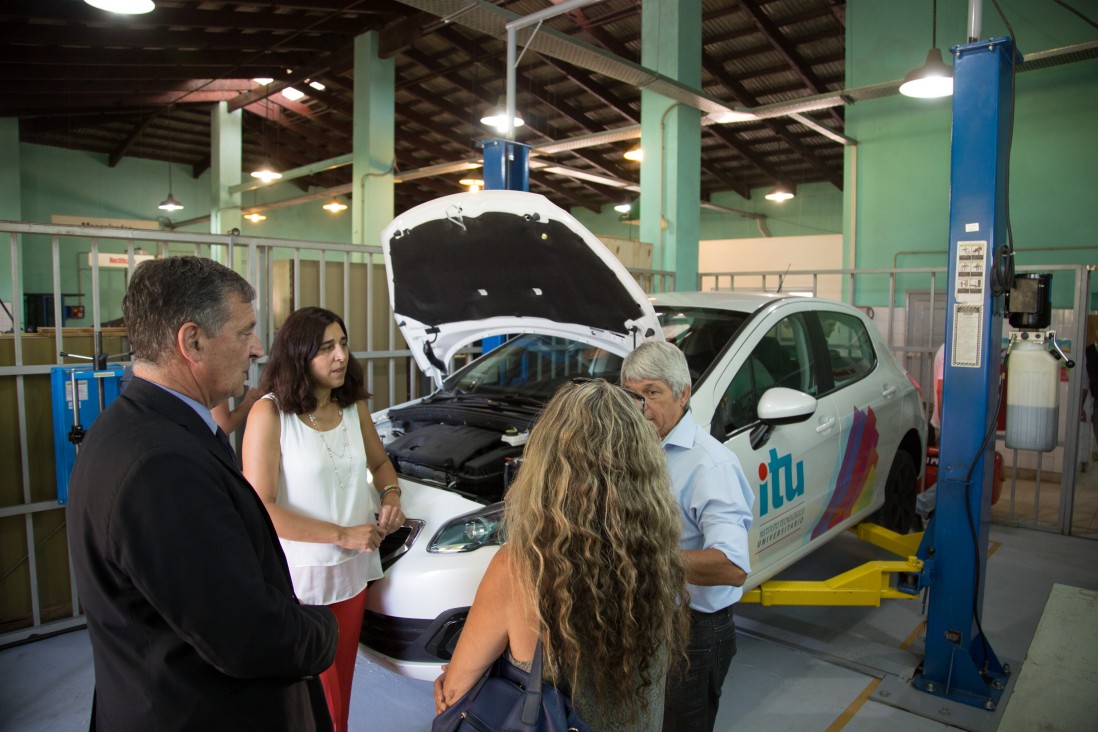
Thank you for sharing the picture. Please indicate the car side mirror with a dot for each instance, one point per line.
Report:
(780, 405)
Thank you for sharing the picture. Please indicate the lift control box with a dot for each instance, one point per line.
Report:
(94, 389)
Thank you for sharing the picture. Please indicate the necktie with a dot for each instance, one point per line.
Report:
(224, 440)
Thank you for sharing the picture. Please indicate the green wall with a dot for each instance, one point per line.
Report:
(74, 183)
(10, 196)
(903, 156)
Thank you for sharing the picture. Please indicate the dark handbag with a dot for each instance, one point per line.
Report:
(508, 699)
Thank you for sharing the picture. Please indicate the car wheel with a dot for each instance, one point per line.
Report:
(898, 512)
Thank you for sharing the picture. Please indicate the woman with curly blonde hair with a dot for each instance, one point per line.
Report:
(591, 566)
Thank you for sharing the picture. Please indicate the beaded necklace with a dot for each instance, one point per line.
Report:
(345, 454)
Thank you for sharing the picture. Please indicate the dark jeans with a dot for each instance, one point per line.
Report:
(693, 697)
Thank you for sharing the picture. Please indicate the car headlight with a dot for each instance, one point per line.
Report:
(470, 531)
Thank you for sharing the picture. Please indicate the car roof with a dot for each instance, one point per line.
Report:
(743, 302)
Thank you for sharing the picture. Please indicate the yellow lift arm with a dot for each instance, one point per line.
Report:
(866, 585)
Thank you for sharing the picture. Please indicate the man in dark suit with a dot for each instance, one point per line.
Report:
(191, 612)
(1091, 362)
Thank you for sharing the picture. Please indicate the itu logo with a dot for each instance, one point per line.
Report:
(781, 487)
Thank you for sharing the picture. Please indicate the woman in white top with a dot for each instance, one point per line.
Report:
(316, 461)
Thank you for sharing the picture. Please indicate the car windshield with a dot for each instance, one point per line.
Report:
(532, 366)
(701, 333)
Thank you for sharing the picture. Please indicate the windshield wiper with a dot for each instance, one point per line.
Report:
(528, 401)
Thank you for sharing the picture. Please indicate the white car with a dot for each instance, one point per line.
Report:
(827, 425)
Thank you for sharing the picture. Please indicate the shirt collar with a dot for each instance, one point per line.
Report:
(197, 406)
(682, 434)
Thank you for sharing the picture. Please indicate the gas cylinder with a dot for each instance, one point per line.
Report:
(1033, 396)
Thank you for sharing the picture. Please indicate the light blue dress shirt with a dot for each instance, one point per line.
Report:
(201, 409)
(715, 501)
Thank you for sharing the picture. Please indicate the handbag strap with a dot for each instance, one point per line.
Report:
(531, 707)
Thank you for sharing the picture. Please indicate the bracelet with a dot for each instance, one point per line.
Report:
(389, 489)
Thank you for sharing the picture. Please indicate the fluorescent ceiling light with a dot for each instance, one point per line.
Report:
(292, 94)
(262, 80)
(124, 7)
(572, 173)
(317, 85)
(731, 115)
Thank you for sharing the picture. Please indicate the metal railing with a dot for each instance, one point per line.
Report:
(289, 274)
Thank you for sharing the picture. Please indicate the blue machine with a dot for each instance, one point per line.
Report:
(959, 662)
(95, 389)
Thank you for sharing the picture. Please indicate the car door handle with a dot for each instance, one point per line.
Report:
(888, 391)
(825, 425)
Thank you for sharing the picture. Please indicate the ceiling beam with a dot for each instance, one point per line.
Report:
(777, 126)
(773, 34)
(138, 130)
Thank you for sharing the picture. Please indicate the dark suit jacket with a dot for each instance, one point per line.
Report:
(1091, 356)
(190, 608)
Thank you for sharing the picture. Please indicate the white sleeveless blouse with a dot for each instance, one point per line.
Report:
(324, 475)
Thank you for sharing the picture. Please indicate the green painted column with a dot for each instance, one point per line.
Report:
(374, 145)
(671, 138)
(11, 201)
(226, 165)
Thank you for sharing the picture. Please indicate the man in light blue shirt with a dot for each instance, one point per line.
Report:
(715, 501)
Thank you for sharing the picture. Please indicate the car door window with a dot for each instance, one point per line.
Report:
(782, 358)
(849, 347)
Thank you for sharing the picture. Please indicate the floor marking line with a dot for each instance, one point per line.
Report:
(914, 636)
(854, 707)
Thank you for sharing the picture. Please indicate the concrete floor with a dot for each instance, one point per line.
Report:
(797, 668)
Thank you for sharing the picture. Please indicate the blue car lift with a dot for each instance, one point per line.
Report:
(959, 663)
(506, 168)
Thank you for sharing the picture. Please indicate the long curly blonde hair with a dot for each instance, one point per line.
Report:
(593, 531)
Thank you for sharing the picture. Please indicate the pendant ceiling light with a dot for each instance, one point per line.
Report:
(255, 217)
(780, 193)
(335, 206)
(266, 172)
(170, 203)
(474, 184)
(629, 211)
(497, 117)
(124, 7)
(934, 78)
(635, 154)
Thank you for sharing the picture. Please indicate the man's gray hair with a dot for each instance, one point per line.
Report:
(163, 294)
(658, 361)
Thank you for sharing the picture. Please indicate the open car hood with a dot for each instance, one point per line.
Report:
(473, 265)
